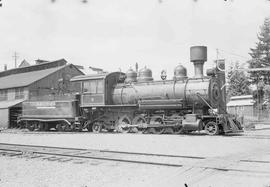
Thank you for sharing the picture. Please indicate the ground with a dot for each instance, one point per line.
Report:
(221, 152)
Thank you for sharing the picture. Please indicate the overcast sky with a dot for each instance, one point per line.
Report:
(113, 34)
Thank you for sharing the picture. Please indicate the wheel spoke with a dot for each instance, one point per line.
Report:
(168, 130)
(157, 121)
(139, 120)
(211, 128)
(179, 129)
(97, 127)
(151, 130)
(123, 123)
(31, 126)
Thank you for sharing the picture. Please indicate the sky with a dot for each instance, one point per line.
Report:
(115, 34)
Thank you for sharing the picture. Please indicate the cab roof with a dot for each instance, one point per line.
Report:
(93, 76)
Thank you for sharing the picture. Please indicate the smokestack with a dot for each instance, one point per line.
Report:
(5, 67)
(198, 55)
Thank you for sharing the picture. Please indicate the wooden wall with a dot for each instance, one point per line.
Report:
(50, 84)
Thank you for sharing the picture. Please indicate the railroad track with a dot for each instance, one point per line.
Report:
(245, 136)
(95, 154)
(81, 156)
(251, 136)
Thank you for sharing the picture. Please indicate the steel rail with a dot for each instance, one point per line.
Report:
(70, 155)
(91, 157)
(106, 151)
(248, 136)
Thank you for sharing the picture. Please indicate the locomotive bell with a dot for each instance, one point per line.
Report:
(131, 76)
(145, 74)
(180, 72)
(198, 55)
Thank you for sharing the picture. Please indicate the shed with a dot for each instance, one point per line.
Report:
(242, 106)
(20, 84)
(8, 111)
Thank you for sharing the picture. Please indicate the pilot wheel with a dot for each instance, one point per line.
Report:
(97, 127)
(211, 128)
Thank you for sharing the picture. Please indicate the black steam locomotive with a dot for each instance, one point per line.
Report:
(134, 102)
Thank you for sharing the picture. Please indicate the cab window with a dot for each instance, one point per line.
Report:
(100, 86)
(93, 86)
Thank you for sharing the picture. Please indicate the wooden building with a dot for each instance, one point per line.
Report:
(242, 106)
(20, 84)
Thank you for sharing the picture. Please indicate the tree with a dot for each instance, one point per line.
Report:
(261, 54)
(238, 82)
(266, 90)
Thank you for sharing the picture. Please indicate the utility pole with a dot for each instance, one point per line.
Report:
(15, 56)
(217, 53)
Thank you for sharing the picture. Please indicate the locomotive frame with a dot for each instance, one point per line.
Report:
(119, 102)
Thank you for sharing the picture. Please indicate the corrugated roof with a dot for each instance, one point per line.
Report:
(8, 104)
(25, 79)
(243, 102)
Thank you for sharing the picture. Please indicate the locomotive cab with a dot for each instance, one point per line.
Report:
(97, 88)
(96, 96)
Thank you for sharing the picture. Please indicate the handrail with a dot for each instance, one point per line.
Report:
(198, 94)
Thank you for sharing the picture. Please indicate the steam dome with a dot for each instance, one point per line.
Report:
(180, 72)
(145, 74)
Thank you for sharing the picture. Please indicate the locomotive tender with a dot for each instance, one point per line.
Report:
(134, 102)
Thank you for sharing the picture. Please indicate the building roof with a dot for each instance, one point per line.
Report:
(241, 102)
(8, 104)
(25, 79)
(94, 76)
(89, 77)
(242, 97)
(24, 63)
(36, 67)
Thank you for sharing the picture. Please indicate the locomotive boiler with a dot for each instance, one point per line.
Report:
(197, 92)
(134, 102)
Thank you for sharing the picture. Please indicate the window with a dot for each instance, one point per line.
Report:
(89, 86)
(100, 86)
(19, 93)
(3, 95)
(93, 86)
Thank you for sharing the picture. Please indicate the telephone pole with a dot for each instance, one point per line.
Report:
(217, 51)
(15, 56)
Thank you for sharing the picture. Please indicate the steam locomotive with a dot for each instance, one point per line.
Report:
(134, 102)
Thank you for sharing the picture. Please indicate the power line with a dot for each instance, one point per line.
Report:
(228, 52)
(234, 54)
